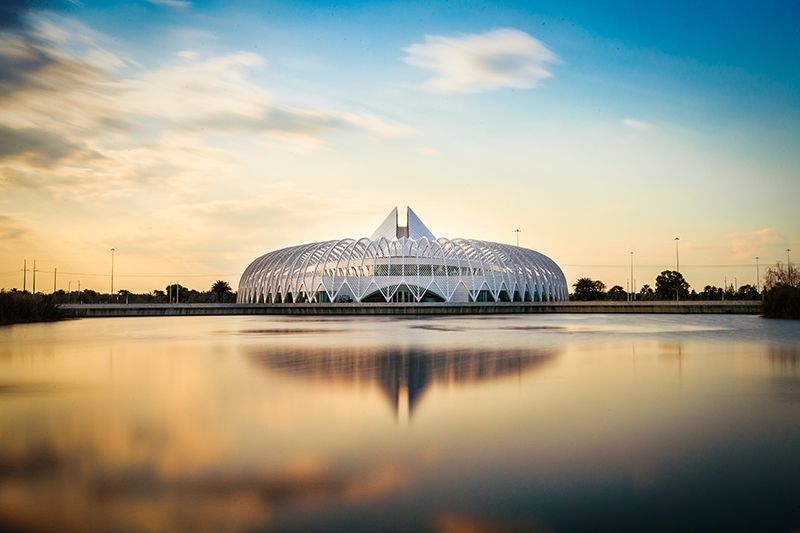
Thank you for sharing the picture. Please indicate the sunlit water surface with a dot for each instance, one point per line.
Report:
(537, 422)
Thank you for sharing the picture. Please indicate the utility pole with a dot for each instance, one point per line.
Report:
(24, 275)
(677, 257)
(517, 231)
(34, 276)
(55, 273)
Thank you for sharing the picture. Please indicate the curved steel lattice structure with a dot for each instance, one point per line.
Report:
(402, 264)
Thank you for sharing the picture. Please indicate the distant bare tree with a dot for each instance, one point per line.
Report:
(782, 292)
(781, 274)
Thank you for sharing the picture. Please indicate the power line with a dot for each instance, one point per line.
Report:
(748, 265)
(135, 275)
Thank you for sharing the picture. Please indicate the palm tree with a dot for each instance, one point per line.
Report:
(220, 288)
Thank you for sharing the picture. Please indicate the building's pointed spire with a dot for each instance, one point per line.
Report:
(390, 227)
(416, 228)
(387, 228)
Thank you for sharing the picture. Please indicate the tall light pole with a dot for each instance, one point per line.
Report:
(788, 261)
(34, 276)
(24, 275)
(677, 257)
(112, 272)
(788, 266)
(517, 231)
(758, 277)
(633, 287)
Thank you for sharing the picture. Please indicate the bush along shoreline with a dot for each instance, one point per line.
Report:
(782, 292)
(18, 307)
(782, 302)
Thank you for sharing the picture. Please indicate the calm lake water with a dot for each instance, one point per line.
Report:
(539, 422)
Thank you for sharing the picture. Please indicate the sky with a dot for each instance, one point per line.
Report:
(193, 137)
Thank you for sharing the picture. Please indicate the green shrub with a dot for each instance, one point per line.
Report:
(19, 307)
(782, 301)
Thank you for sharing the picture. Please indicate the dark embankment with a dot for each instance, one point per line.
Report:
(782, 302)
(21, 307)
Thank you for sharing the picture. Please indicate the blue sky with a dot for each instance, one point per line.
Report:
(596, 128)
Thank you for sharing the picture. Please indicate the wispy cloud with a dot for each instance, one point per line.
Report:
(748, 244)
(427, 151)
(66, 96)
(477, 62)
(11, 229)
(179, 4)
(38, 147)
(637, 124)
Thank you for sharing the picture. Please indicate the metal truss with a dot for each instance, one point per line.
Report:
(402, 269)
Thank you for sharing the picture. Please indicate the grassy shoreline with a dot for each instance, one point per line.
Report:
(22, 307)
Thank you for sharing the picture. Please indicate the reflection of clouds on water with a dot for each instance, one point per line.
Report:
(288, 331)
(139, 497)
(35, 388)
(464, 523)
(251, 423)
(403, 373)
(534, 328)
(437, 327)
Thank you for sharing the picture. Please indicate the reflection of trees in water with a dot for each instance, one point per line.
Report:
(673, 350)
(784, 357)
(401, 371)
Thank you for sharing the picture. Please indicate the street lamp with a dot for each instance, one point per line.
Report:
(112, 272)
(633, 287)
(677, 257)
(758, 277)
(517, 231)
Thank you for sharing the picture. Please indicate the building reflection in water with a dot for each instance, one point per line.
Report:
(403, 374)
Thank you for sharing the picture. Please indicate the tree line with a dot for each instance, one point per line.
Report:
(669, 285)
(780, 292)
(219, 292)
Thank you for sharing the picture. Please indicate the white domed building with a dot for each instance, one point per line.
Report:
(402, 264)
